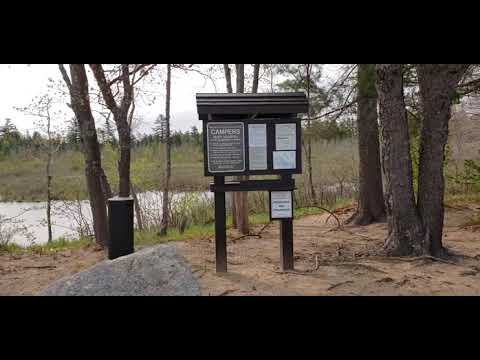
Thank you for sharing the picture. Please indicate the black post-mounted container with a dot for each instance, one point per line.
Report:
(121, 229)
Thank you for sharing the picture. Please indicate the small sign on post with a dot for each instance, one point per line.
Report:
(281, 205)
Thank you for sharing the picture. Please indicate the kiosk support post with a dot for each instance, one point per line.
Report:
(220, 227)
(286, 237)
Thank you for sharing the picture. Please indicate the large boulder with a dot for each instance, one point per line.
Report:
(155, 271)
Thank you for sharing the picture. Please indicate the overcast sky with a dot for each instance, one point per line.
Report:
(20, 83)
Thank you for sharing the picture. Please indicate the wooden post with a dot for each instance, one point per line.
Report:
(220, 227)
(286, 237)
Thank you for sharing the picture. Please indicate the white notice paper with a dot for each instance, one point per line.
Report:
(284, 160)
(285, 136)
(257, 135)
(257, 142)
(281, 204)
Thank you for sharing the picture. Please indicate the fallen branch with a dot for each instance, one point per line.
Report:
(339, 284)
(40, 267)
(324, 209)
(294, 272)
(259, 234)
(223, 293)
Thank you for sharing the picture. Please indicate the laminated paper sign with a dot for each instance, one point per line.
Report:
(285, 136)
(281, 204)
(284, 160)
(257, 143)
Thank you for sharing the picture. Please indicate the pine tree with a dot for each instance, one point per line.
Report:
(73, 133)
(109, 133)
(8, 128)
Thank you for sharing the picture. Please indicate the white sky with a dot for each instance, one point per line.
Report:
(20, 83)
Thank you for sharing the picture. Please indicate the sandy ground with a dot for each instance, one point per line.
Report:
(338, 262)
(328, 261)
(26, 274)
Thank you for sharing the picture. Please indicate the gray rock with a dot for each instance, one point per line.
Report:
(155, 271)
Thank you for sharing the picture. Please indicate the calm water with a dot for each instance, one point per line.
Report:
(33, 215)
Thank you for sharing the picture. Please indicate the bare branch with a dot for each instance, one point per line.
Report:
(105, 89)
(65, 76)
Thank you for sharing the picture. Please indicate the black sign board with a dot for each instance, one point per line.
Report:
(261, 146)
(225, 147)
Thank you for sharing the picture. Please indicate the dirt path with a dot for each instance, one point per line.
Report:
(328, 261)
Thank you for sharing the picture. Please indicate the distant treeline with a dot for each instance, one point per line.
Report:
(13, 141)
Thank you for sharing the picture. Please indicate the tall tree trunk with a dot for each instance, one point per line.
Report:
(93, 163)
(164, 225)
(371, 205)
(256, 74)
(228, 78)
(124, 161)
(228, 81)
(240, 78)
(49, 203)
(49, 177)
(405, 233)
(241, 198)
(121, 118)
(309, 141)
(138, 209)
(437, 88)
(272, 73)
(107, 190)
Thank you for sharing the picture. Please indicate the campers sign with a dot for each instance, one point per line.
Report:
(226, 147)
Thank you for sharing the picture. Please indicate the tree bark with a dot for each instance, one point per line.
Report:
(256, 74)
(138, 209)
(93, 164)
(49, 177)
(405, 232)
(437, 88)
(164, 225)
(107, 190)
(240, 78)
(228, 78)
(309, 141)
(241, 198)
(371, 206)
(228, 81)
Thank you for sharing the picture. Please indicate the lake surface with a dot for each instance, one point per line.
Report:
(66, 215)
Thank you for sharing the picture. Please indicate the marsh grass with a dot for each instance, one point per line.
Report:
(23, 174)
(54, 246)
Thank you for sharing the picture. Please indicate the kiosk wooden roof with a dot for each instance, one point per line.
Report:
(247, 104)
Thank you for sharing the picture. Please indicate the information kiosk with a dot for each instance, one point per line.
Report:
(253, 134)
